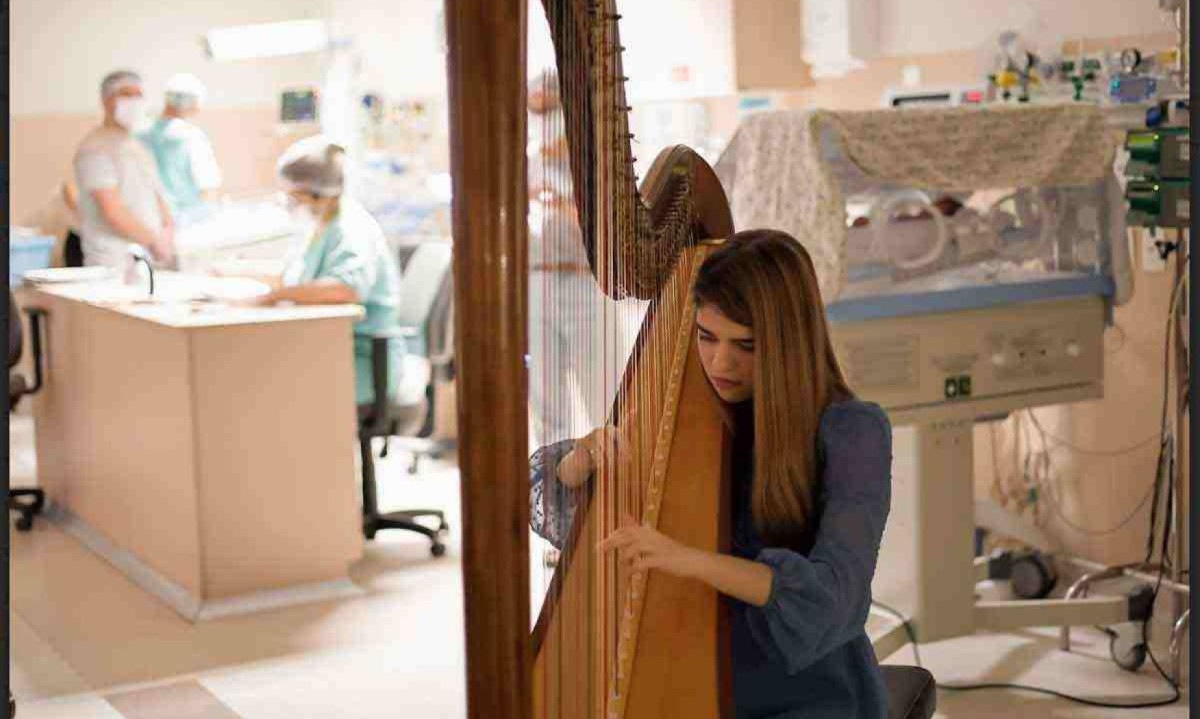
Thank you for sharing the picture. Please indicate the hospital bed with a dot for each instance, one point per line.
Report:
(253, 228)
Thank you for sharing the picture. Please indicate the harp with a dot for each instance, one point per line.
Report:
(606, 642)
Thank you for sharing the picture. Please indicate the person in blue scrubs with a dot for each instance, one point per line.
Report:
(344, 256)
(187, 165)
(812, 490)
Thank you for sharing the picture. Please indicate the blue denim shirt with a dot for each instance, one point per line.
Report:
(805, 653)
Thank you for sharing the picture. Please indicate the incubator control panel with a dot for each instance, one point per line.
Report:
(976, 362)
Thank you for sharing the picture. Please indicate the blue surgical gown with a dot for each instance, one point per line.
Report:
(353, 250)
(185, 160)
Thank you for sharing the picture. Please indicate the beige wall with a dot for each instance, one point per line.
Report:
(910, 27)
(247, 141)
(61, 49)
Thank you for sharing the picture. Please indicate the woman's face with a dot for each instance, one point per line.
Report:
(318, 209)
(726, 353)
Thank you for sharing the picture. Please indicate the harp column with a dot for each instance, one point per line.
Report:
(486, 68)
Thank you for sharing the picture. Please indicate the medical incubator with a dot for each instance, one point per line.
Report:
(969, 260)
(925, 249)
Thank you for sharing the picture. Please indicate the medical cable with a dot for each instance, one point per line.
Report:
(912, 635)
(1166, 440)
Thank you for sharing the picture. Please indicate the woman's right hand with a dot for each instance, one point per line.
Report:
(163, 247)
(600, 447)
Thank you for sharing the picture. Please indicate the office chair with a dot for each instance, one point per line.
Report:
(27, 502)
(406, 415)
(426, 313)
(911, 691)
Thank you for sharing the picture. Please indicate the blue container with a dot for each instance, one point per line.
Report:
(27, 253)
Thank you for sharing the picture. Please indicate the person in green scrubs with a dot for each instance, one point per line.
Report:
(345, 257)
(187, 165)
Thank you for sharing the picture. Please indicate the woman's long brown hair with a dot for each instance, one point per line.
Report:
(765, 279)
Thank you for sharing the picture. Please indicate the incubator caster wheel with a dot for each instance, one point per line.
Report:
(437, 549)
(24, 523)
(1127, 641)
(1033, 575)
(1126, 647)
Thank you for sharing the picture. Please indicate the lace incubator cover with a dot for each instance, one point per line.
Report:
(777, 173)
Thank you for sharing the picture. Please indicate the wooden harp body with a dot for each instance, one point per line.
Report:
(607, 642)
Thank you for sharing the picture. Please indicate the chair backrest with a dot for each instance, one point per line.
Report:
(422, 283)
(15, 339)
(440, 327)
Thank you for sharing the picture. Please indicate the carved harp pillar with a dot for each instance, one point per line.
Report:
(607, 642)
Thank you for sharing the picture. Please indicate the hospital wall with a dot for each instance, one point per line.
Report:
(61, 49)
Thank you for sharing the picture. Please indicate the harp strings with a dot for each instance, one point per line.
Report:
(585, 211)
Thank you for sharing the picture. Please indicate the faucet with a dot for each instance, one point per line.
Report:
(139, 254)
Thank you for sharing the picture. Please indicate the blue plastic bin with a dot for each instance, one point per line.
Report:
(25, 253)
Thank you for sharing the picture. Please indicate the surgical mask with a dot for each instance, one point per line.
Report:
(304, 220)
(129, 111)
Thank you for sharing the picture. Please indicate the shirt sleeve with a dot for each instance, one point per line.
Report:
(551, 503)
(346, 262)
(95, 171)
(820, 601)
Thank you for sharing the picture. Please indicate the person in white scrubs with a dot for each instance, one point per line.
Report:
(121, 201)
(187, 165)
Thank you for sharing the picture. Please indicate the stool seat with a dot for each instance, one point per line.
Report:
(912, 692)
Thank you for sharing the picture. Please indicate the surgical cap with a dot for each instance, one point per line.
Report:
(313, 164)
(118, 80)
(184, 91)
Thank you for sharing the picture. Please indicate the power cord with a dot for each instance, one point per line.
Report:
(908, 627)
(912, 636)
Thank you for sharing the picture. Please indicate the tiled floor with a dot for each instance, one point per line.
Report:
(88, 644)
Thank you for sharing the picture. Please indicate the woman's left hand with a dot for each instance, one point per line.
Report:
(644, 548)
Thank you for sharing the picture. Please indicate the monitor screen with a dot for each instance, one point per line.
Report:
(298, 106)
